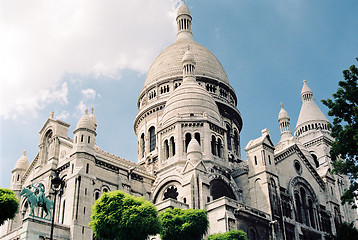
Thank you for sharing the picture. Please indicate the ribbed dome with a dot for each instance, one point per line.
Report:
(193, 146)
(85, 122)
(183, 9)
(23, 162)
(188, 57)
(169, 63)
(190, 100)
(283, 114)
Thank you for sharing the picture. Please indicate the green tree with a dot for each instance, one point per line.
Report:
(231, 235)
(119, 216)
(344, 149)
(345, 231)
(9, 205)
(178, 224)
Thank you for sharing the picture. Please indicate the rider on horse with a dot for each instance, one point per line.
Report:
(41, 194)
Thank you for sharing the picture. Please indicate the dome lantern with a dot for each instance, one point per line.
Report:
(188, 66)
(284, 122)
(184, 22)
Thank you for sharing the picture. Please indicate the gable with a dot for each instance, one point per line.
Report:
(294, 152)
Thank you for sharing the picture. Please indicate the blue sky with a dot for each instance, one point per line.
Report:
(69, 55)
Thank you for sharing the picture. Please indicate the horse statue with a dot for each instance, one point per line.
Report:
(33, 202)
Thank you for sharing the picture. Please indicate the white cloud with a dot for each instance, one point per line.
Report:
(88, 93)
(43, 40)
(82, 107)
(63, 115)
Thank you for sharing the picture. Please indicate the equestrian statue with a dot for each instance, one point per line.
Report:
(38, 200)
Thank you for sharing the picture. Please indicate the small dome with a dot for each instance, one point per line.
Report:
(193, 146)
(23, 162)
(283, 114)
(190, 100)
(183, 9)
(305, 88)
(85, 122)
(188, 56)
(169, 65)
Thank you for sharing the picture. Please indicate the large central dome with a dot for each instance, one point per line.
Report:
(168, 64)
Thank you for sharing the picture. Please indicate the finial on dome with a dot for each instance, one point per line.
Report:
(281, 105)
(24, 153)
(50, 116)
(306, 93)
(92, 108)
(86, 112)
(184, 21)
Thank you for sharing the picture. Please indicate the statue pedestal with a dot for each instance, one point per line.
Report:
(38, 228)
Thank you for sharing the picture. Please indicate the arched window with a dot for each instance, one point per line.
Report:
(81, 138)
(197, 137)
(152, 139)
(236, 142)
(273, 196)
(298, 208)
(213, 145)
(269, 158)
(172, 146)
(337, 217)
(311, 213)
(166, 149)
(228, 136)
(187, 140)
(251, 235)
(303, 206)
(96, 195)
(315, 160)
(142, 144)
(218, 189)
(219, 145)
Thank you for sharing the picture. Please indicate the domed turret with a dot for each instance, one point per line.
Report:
(284, 122)
(85, 122)
(190, 100)
(85, 133)
(184, 22)
(22, 163)
(194, 153)
(20, 168)
(311, 117)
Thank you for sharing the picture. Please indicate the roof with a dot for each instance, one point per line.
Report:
(169, 63)
(23, 162)
(309, 110)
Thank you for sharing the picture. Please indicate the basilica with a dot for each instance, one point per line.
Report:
(189, 156)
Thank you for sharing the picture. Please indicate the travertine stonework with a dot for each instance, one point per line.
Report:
(188, 129)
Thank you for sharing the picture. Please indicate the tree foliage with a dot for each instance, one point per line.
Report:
(345, 231)
(231, 235)
(178, 224)
(344, 149)
(9, 205)
(121, 216)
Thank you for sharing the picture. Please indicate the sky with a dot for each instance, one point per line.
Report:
(66, 56)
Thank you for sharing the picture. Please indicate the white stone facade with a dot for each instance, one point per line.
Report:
(188, 129)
